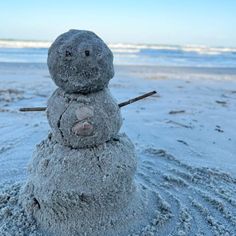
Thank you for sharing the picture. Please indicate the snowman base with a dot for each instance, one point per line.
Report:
(83, 191)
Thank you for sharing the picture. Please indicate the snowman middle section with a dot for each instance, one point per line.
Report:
(81, 121)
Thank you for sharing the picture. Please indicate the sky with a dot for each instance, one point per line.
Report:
(176, 22)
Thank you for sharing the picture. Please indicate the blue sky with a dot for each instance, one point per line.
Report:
(180, 22)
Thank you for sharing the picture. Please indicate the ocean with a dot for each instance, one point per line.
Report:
(130, 54)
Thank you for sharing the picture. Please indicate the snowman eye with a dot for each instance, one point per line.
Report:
(87, 53)
(68, 53)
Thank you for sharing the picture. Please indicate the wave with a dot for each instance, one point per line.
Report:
(24, 44)
(128, 48)
(200, 49)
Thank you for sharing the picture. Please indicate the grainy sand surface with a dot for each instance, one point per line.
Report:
(184, 137)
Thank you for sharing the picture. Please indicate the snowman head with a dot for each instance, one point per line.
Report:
(80, 62)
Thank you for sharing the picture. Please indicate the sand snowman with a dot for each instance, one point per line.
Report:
(81, 178)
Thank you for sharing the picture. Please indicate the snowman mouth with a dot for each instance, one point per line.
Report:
(91, 73)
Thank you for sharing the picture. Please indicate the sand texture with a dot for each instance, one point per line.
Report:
(79, 191)
(184, 138)
(182, 200)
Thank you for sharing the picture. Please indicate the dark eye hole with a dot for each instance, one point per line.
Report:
(87, 53)
(68, 53)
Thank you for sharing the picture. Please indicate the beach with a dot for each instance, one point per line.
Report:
(184, 135)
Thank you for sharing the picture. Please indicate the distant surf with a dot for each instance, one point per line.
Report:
(27, 51)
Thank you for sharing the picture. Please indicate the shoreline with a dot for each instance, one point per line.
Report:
(230, 70)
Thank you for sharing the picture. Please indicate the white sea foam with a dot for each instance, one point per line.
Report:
(201, 49)
(125, 48)
(24, 44)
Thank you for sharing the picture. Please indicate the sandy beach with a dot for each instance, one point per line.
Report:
(184, 137)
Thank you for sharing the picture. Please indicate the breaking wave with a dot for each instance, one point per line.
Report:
(126, 48)
(130, 54)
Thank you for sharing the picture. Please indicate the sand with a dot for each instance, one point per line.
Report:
(186, 161)
(183, 200)
(84, 191)
(13, 219)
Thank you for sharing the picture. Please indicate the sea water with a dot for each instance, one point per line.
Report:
(130, 54)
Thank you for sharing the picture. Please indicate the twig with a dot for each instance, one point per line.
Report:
(25, 109)
(136, 99)
(33, 109)
(179, 124)
(176, 112)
